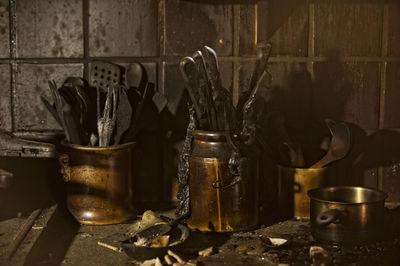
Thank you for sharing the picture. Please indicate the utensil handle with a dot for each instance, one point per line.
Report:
(218, 183)
(328, 217)
(63, 159)
(320, 164)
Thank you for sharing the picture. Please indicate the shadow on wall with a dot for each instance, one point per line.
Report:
(281, 10)
(305, 103)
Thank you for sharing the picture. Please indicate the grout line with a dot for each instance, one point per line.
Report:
(85, 32)
(381, 119)
(13, 29)
(176, 59)
(255, 24)
(385, 30)
(236, 40)
(311, 55)
(13, 55)
(384, 53)
(382, 93)
(311, 39)
(161, 26)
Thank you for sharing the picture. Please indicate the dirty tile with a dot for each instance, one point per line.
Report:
(394, 28)
(174, 86)
(31, 83)
(245, 70)
(123, 28)
(286, 28)
(392, 96)
(191, 25)
(226, 74)
(346, 91)
(4, 29)
(391, 163)
(247, 30)
(286, 89)
(49, 28)
(348, 28)
(5, 97)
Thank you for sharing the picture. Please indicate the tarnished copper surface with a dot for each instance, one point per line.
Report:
(99, 183)
(294, 183)
(231, 208)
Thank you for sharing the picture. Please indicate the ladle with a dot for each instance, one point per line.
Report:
(339, 146)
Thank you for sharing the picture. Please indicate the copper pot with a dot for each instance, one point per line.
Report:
(216, 203)
(99, 183)
(347, 215)
(293, 185)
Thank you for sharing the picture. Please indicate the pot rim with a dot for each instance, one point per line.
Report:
(382, 195)
(97, 148)
(209, 135)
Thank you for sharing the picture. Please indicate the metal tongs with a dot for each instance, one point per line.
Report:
(106, 120)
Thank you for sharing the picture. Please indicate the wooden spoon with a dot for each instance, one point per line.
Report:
(339, 146)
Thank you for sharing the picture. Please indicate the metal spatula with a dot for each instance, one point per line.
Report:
(104, 75)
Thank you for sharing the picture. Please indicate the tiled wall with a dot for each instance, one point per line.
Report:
(331, 58)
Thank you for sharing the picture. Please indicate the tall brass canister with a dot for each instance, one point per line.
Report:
(294, 183)
(99, 183)
(216, 203)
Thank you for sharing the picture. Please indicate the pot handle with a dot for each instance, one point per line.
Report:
(328, 217)
(63, 159)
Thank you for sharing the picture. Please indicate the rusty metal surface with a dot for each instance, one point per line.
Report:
(183, 196)
(65, 39)
(16, 147)
(135, 29)
(32, 82)
(99, 183)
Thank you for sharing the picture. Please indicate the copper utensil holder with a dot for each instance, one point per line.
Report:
(215, 203)
(293, 185)
(99, 183)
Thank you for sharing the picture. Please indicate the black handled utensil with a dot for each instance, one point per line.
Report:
(189, 73)
(205, 86)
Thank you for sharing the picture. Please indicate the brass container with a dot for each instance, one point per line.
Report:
(347, 215)
(99, 183)
(215, 203)
(294, 183)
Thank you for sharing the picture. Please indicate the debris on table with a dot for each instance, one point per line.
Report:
(320, 256)
(206, 252)
(149, 218)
